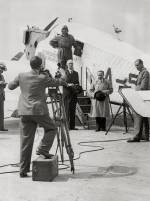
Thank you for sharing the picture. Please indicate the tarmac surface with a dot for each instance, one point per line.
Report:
(118, 171)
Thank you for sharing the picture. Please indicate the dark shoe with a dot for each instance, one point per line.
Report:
(74, 129)
(145, 138)
(133, 140)
(23, 174)
(97, 130)
(46, 155)
(4, 129)
(103, 129)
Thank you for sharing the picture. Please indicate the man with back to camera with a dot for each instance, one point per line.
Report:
(64, 43)
(142, 83)
(2, 96)
(33, 111)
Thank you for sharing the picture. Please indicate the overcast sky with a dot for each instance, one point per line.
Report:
(132, 16)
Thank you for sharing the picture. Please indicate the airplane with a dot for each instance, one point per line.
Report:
(20, 63)
(96, 50)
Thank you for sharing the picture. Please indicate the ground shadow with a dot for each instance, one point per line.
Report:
(101, 172)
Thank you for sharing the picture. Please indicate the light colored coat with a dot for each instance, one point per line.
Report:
(100, 108)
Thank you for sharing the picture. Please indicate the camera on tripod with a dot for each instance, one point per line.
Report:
(52, 91)
(55, 92)
(59, 115)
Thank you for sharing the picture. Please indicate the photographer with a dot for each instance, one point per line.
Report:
(33, 111)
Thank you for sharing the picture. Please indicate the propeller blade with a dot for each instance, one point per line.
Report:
(50, 24)
(17, 56)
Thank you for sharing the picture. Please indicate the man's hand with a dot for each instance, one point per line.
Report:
(70, 84)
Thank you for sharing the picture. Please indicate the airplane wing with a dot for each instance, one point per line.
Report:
(50, 24)
(136, 99)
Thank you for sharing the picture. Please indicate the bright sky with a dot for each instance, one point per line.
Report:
(132, 16)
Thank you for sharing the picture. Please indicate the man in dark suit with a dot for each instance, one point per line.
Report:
(72, 78)
(2, 96)
(33, 111)
(142, 83)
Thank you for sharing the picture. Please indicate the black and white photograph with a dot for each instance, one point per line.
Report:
(74, 100)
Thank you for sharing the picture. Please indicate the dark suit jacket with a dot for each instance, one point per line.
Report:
(32, 100)
(72, 78)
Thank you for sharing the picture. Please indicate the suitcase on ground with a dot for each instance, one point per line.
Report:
(45, 169)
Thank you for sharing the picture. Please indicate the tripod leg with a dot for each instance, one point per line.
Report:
(113, 120)
(125, 118)
(63, 138)
(66, 137)
(130, 113)
(59, 145)
(111, 108)
(56, 116)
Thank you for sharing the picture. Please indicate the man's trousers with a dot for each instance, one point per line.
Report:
(141, 123)
(72, 111)
(1, 114)
(28, 127)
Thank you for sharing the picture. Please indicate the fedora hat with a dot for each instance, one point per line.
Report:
(100, 96)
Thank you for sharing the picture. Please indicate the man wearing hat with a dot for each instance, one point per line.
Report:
(64, 43)
(2, 96)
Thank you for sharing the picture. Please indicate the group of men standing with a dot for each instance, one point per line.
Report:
(32, 106)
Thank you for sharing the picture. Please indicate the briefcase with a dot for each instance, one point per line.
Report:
(45, 169)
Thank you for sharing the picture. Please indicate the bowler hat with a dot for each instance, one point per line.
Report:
(100, 96)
